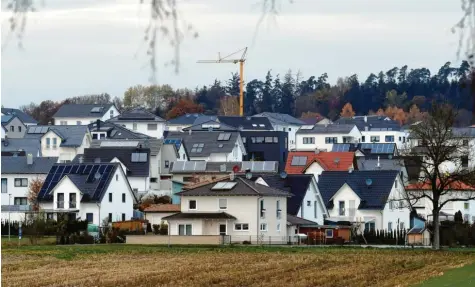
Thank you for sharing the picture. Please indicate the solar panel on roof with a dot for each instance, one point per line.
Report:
(119, 143)
(200, 166)
(178, 165)
(269, 165)
(257, 166)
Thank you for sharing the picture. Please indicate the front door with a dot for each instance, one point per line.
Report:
(222, 229)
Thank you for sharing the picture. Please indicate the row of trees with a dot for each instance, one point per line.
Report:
(398, 92)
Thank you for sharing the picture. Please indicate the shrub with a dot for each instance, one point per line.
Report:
(156, 229)
(246, 242)
(163, 228)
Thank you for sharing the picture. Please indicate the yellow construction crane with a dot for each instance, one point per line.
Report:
(241, 72)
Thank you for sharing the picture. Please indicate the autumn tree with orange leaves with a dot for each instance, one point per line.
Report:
(33, 191)
(184, 106)
(347, 111)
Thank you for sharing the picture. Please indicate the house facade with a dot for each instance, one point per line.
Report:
(266, 146)
(141, 121)
(84, 114)
(285, 123)
(26, 119)
(310, 138)
(13, 126)
(156, 212)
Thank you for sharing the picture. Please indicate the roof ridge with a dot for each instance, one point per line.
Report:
(255, 190)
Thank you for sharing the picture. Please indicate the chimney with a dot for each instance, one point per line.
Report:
(98, 124)
(365, 119)
(29, 159)
(189, 131)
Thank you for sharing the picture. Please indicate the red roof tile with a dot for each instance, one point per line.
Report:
(324, 159)
(163, 208)
(452, 186)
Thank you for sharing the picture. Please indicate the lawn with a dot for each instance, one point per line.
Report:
(458, 277)
(126, 265)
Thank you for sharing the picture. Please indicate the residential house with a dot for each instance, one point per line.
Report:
(246, 123)
(307, 162)
(156, 212)
(141, 121)
(109, 130)
(285, 123)
(318, 120)
(306, 201)
(409, 167)
(21, 147)
(377, 129)
(94, 192)
(84, 114)
(64, 142)
(238, 207)
(14, 127)
(17, 175)
(183, 121)
(323, 137)
(134, 161)
(266, 146)
(179, 147)
(368, 199)
(368, 150)
(26, 119)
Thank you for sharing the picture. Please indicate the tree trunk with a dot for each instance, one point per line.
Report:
(436, 241)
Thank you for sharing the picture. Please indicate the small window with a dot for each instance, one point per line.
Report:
(278, 210)
(315, 209)
(19, 129)
(20, 201)
(139, 157)
(223, 203)
(276, 140)
(123, 197)
(55, 142)
(395, 184)
(90, 217)
(278, 227)
(464, 160)
(390, 226)
(369, 227)
(329, 233)
(401, 225)
(262, 209)
(290, 129)
(153, 179)
(48, 142)
(465, 142)
(192, 204)
(110, 196)
(244, 140)
(241, 226)
(152, 127)
(167, 164)
(374, 139)
(78, 123)
(263, 227)
(12, 128)
(363, 139)
(21, 182)
(259, 139)
(389, 139)
(268, 139)
(309, 203)
(184, 229)
(4, 185)
(134, 126)
(331, 140)
(123, 216)
(466, 205)
(116, 177)
(110, 217)
(184, 157)
(63, 123)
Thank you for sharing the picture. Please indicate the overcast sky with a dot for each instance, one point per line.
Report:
(77, 47)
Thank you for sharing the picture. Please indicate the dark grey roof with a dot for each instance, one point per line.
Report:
(186, 119)
(243, 187)
(24, 117)
(247, 123)
(372, 197)
(384, 164)
(124, 154)
(327, 129)
(208, 139)
(72, 136)
(204, 118)
(294, 220)
(464, 132)
(297, 184)
(200, 215)
(153, 144)
(83, 176)
(18, 165)
(137, 115)
(115, 131)
(215, 167)
(28, 145)
(7, 118)
(279, 118)
(82, 110)
(210, 126)
(416, 230)
(372, 123)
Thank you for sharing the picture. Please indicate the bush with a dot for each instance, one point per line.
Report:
(156, 229)
(163, 228)
(246, 242)
(86, 239)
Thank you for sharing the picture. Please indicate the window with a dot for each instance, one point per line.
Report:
(464, 160)
(78, 123)
(55, 143)
(21, 182)
(134, 126)
(241, 226)
(48, 142)
(263, 227)
(390, 226)
(12, 128)
(198, 147)
(329, 140)
(309, 203)
(192, 204)
(299, 160)
(223, 203)
(167, 164)
(110, 217)
(391, 205)
(268, 139)
(308, 140)
(116, 177)
(152, 127)
(110, 196)
(224, 136)
(60, 200)
(184, 229)
(72, 200)
(244, 140)
(262, 209)
(63, 123)
(278, 227)
(89, 217)
(395, 183)
(399, 138)
(363, 139)
(466, 217)
(278, 210)
(50, 215)
(369, 226)
(401, 225)
(19, 129)
(290, 129)
(259, 139)
(315, 209)
(465, 142)
(123, 216)
(123, 197)
(403, 139)
(374, 139)
(183, 157)
(111, 113)
(20, 201)
(139, 157)
(341, 209)
(135, 190)
(466, 205)
(329, 233)
(4, 185)
(389, 139)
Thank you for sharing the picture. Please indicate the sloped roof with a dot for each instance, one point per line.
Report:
(243, 187)
(327, 129)
(247, 123)
(384, 164)
(115, 131)
(6, 119)
(82, 110)
(137, 115)
(152, 143)
(24, 117)
(297, 184)
(455, 186)
(325, 159)
(28, 145)
(295, 220)
(373, 123)
(210, 125)
(367, 148)
(186, 119)
(372, 197)
(163, 208)
(279, 118)
(72, 136)
(124, 154)
(18, 165)
(209, 140)
(200, 215)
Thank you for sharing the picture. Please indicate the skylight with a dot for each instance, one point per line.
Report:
(224, 136)
(198, 147)
(254, 125)
(96, 110)
(261, 125)
(306, 127)
(224, 185)
(299, 160)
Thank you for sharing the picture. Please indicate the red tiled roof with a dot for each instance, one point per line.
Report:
(324, 159)
(427, 186)
(163, 208)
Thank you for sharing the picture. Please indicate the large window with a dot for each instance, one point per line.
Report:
(60, 200)
(330, 140)
(374, 139)
(89, 217)
(341, 208)
(223, 203)
(389, 139)
(184, 229)
(152, 127)
(308, 140)
(20, 201)
(390, 226)
(139, 157)
(4, 185)
(72, 200)
(21, 182)
(241, 226)
(192, 204)
(278, 210)
(262, 209)
(369, 226)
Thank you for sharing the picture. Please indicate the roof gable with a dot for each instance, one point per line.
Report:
(327, 160)
(72, 136)
(115, 131)
(24, 117)
(345, 185)
(279, 118)
(186, 119)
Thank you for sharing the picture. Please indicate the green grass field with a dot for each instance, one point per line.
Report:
(457, 277)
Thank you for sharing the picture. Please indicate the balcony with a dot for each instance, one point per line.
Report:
(16, 208)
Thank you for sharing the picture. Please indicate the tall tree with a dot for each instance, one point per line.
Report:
(267, 103)
(288, 94)
(232, 86)
(252, 96)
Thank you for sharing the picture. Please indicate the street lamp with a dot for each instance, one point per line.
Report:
(9, 211)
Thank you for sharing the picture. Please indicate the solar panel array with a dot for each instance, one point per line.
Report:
(341, 147)
(176, 142)
(190, 166)
(224, 136)
(197, 147)
(299, 160)
(96, 173)
(37, 130)
(259, 166)
(378, 148)
(224, 185)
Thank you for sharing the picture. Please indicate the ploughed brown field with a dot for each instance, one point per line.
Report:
(251, 266)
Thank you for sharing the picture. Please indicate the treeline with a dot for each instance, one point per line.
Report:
(398, 90)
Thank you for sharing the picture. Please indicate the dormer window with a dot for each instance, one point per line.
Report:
(139, 157)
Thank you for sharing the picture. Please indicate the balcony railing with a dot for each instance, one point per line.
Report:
(16, 208)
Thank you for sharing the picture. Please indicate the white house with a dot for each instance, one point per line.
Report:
(156, 212)
(370, 199)
(310, 138)
(17, 174)
(141, 121)
(240, 208)
(84, 114)
(95, 192)
(306, 201)
(286, 123)
(14, 127)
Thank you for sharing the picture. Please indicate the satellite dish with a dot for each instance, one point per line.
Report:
(248, 175)
(390, 156)
(97, 175)
(283, 174)
(369, 182)
(236, 168)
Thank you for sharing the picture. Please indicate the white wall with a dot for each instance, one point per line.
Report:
(64, 153)
(142, 127)
(320, 140)
(17, 191)
(87, 120)
(142, 184)
(291, 131)
(156, 217)
(399, 214)
(382, 137)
